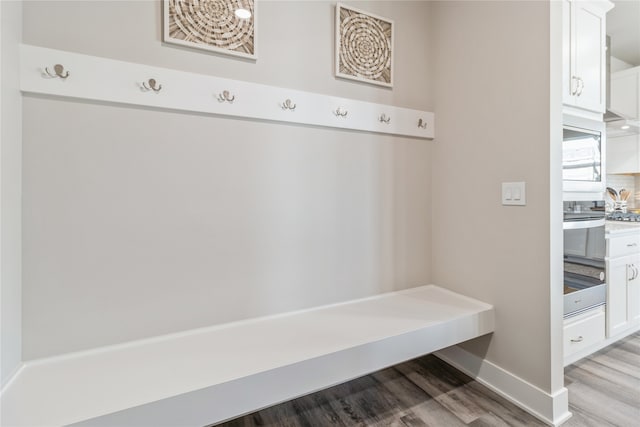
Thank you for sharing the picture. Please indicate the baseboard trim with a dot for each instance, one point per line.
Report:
(552, 409)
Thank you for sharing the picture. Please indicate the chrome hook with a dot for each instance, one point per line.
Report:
(58, 71)
(288, 105)
(153, 85)
(340, 112)
(384, 119)
(226, 96)
(422, 124)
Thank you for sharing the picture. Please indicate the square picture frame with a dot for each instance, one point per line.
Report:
(364, 46)
(228, 26)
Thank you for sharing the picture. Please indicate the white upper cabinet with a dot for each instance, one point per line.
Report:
(584, 48)
(625, 93)
(623, 154)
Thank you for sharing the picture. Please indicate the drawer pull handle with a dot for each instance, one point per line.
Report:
(579, 339)
(631, 245)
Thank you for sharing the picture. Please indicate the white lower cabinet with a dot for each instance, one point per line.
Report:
(623, 283)
(598, 327)
(633, 290)
(583, 331)
(617, 313)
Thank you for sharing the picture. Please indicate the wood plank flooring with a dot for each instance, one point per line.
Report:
(604, 390)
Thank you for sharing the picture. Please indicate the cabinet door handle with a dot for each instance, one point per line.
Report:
(574, 85)
(579, 339)
(580, 86)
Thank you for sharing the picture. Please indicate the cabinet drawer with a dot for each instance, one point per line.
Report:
(628, 244)
(583, 331)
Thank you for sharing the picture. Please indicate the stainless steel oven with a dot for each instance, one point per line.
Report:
(584, 256)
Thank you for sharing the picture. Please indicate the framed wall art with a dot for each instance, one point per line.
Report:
(223, 26)
(364, 46)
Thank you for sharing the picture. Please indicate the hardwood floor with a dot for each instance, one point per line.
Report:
(418, 393)
(604, 390)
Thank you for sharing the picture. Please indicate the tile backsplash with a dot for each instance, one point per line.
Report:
(630, 182)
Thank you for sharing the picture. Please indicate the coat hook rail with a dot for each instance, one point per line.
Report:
(422, 124)
(58, 71)
(226, 96)
(384, 119)
(288, 105)
(152, 84)
(340, 112)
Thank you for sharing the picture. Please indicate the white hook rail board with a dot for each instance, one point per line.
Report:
(103, 79)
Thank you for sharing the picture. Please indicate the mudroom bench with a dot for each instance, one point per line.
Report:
(213, 374)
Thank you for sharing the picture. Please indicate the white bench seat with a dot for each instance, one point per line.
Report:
(213, 374)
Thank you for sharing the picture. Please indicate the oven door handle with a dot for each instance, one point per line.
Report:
(576, 225)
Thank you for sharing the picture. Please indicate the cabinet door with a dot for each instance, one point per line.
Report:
(583, 50)
(617, 318)
(568, 54)
(633, 289)
(625, 87)
(623, 154)
(590, 45)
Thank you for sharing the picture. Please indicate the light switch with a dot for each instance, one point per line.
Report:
(513, 194)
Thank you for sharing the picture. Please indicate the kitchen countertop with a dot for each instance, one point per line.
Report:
(621, 227)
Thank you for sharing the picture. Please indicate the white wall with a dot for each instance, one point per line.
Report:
(139, 222)
(492, 68)
(10, 178)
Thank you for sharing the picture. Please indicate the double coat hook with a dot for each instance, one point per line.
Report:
(288, 105)
(422, 124)
(58, 71)
(226, 96)
(152, 85)
(340, 112)
(384, 119)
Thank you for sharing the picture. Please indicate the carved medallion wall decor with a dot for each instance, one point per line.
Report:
(225, 26)
(364, 46)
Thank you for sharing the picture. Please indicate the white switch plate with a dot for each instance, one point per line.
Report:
(513, 194)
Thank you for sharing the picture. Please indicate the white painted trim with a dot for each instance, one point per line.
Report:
(11, 191)
(109, 80)
(549, 408)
